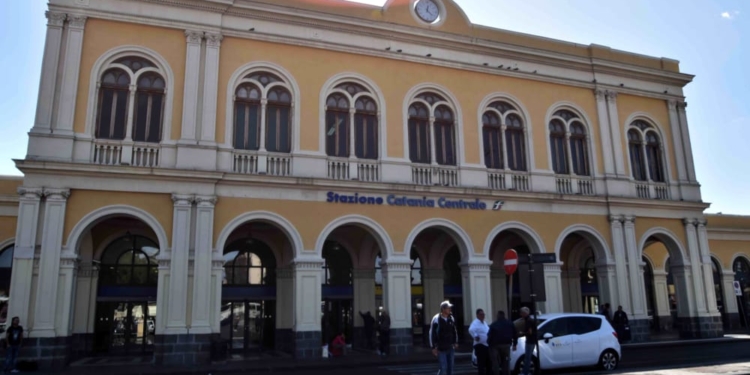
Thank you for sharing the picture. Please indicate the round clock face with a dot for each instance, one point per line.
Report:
(427, 10)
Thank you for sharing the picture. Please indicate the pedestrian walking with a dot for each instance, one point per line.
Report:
(607, 312)
(479, 330)
(384, 330)
(529, 331)
(13, 340)
(621, 325)
(502, 337)
(369, 328)
(444, 338)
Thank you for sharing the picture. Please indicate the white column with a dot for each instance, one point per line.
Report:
(308, 292)
(687, 147)
(69, 83)
(730, 299)
(607, 280)
(45, 305)
(695, 267)
(66, 295)
(618, 244)
(23, 253)
(364, 298)
(661, 295)
(477, 286)
(571, 287)
(434, 292)
(284, 299)
(431, 133)
(706, 265)
(178, 276)
(499, 290)
(637, 289)
(45, 101)
(217, 279)
(679, 151)
(202, 263)
(190, 93)
(353, 170)
(605, 132)
(685, 295)
(616, 132)
(162, 294)
(553, 289)
(263, 156)
(397, 291)
(210, 87)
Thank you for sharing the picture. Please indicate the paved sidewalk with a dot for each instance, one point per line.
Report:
(742, 368)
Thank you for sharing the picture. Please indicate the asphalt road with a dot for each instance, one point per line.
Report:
(634, 359)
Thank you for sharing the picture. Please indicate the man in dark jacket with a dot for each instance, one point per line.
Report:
(384, 328)
(620, 323)
(503, 335)
(444, 338)
(530, 333)
(369, 327)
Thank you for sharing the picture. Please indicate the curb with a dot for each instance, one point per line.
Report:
(674, 343)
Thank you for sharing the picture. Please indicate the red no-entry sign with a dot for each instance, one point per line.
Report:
(510, 261)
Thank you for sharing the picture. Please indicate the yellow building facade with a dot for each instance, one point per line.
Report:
(257, 172)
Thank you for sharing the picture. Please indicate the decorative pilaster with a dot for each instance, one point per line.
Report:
(607, 278)
(476, 287)
(695, 266)
(731, 310)
(605, 131)
(706, 266)
(162, 303)
(177, 292)
(661, 295)
(499, 288)
(618, 242)
(637, 289)
(397, 298)
(71, 67)
(202, 263)
(553, 289)
(52, 44)
(49, 263)
(364, 300)
(688, 149)
(614, 126)
(679, 151)
(190, 93)
(284, 310)
(210, 87)
(67, 277)
(217, 279)
(308, 280)
(23, 253)
(434, 292)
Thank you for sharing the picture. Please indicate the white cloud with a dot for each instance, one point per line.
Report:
(730, 15)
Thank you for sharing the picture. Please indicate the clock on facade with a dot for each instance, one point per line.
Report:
(427, 10)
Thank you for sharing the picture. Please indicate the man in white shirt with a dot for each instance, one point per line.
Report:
(478, 331)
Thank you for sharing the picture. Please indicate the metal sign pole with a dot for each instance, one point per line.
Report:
(510, 299)
(533, 308)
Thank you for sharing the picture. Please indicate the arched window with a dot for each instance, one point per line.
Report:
(569, 144)
(6, 271)
(503, 137)
(416, 269)
(451, 267)
(644, 140)
(337, 265)
(741, 269)
(431, 111)
(249, 262)
(130, 261)
(131, 101)
(351, 103)
(262, 114)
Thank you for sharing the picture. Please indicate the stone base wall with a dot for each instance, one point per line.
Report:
(666, 324)
(732, 321)
(307, 345)
(284, 341)
(50, 353)
(402, 341)
(700, 327)
(183, 349)
(640, 330)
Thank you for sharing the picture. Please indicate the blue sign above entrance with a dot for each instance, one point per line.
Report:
(403, 201)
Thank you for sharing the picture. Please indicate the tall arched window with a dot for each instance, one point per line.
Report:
(569, 144)
(430, 111)
(337, 265)
(262, 114)
(503, 137)
(131, 111)
(130, 261)
(741, 269)
(351, 104)
(249, 262)
(651, 147)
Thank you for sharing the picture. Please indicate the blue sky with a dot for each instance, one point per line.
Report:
(710, 38)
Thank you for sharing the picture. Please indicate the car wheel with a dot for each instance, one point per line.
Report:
(608, 360)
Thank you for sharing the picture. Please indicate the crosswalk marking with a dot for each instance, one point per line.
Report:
(431, 369)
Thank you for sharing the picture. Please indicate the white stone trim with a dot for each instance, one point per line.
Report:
(289, 83)
(462, 239)
(590, 142)
(373, 227)
(527, 234)
(279, 221)
(375, 93)
(669, 240)
(116, 210)
(527, 128)
(99, 251)
(452, 103)
(595, 239)
(6, 243)
(649, 119)
(104, 62)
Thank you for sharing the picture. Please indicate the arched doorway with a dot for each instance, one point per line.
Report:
(741, 269)
(417, 295)
(719, 292)
(6, 271)
(248, 311)
(671, 287)
(126, 296)
(338, 292)
(587, 272)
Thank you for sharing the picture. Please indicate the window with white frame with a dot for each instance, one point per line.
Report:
(646, 152)
(503, 137)
(351, 108)
(569, 144)
(262, 114)
(131, 101)
(432, 134)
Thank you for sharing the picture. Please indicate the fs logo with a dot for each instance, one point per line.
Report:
(498, 205)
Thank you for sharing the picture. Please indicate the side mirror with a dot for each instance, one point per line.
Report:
(547, 336)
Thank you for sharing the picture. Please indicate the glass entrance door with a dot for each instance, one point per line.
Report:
(249, 326)
(337, 318)
(125, 328)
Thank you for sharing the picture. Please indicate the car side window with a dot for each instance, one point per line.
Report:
(557, 327)
(584, 325)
